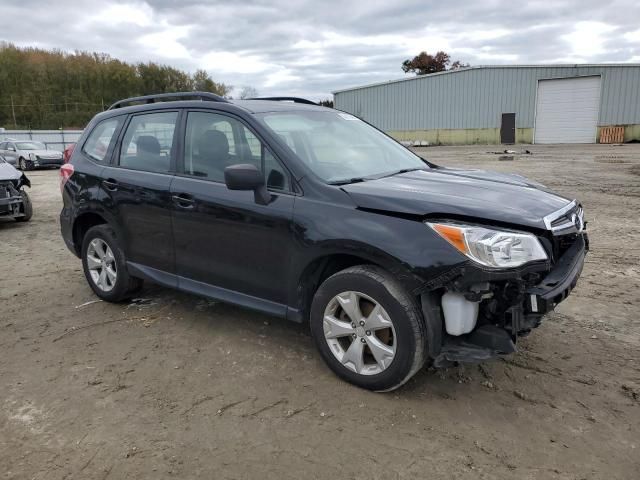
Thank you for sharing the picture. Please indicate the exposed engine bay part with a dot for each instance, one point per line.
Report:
(460, 315)
(14, 201)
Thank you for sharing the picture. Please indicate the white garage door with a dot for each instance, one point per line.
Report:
(567, 110)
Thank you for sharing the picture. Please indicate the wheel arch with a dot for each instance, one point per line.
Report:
(318, 269)
(82, 224)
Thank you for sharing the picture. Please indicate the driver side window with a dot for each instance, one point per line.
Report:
(214, 141)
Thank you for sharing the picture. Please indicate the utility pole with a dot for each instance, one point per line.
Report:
(13, 110)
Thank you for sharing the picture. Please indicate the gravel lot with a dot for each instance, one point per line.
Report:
(179, 386)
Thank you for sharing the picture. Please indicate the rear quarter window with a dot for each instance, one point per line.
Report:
(101, 139)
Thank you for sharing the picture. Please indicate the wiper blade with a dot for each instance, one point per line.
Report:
(398, 172)
(347, 181)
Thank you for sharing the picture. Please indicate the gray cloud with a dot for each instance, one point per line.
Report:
(310, 48)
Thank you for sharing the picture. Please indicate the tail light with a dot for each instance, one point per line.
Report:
(66, 154)
(66, 171)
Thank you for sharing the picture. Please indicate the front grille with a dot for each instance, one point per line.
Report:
(569, 219)
(563, 243)
(8, 190)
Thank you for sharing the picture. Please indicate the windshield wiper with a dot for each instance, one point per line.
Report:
(398, 172)
(348, 181)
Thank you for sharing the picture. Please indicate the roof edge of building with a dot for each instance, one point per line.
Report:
(483, 67)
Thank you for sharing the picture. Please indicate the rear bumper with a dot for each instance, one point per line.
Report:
(66, 229)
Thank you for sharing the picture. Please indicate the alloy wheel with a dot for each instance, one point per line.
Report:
(102, 265)
(359, 333)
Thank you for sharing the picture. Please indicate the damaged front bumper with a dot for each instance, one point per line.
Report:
(511, 306)
(10, 204)
(11, 201)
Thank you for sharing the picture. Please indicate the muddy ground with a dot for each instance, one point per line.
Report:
(175, 386)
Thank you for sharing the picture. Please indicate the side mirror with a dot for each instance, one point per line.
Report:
(245, 176)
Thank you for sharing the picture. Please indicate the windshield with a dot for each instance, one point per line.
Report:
(30, 146)
(339, 147)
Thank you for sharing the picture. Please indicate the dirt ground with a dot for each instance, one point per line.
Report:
(172, 385)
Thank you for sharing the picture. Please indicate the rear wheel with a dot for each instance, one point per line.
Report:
(104, 265)
(26, 209)
(368, 329)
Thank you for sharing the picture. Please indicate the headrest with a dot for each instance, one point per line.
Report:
(213, 143)
(148, 144)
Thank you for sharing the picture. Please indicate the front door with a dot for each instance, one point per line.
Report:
(10, 154)
(138, 187)
(223, 238)
(508, 128)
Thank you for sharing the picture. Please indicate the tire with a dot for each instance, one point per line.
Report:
(368, 285)
(22, 164)
(27, 207)
(111, 288)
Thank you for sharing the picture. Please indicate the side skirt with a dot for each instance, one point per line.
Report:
(211, 291)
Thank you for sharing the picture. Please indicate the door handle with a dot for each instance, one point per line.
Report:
(110, 184)
(183, 201)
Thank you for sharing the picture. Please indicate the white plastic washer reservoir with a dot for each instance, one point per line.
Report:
(460, 315)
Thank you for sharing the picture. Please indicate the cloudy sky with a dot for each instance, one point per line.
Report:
(311, 47)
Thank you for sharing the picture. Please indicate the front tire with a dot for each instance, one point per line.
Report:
(368, 329)
(104, 265)
(27, 207)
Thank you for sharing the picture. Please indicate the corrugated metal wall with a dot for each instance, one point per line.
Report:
(53, 139)
(477, 97)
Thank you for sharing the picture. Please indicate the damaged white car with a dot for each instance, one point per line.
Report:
(14, 200)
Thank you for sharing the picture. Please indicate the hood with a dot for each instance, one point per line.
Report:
(45, 153)
(8, 172)
(472, 193)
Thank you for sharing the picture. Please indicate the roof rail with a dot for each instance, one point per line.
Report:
(286, 99)
(204, 96)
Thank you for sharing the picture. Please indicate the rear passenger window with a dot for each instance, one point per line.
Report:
(97, 145)
(148, 142)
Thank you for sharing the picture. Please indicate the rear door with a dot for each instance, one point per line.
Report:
(223, 237)
(138, 188)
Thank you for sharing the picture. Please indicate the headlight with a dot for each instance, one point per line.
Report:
(32, 156)
(492, 248)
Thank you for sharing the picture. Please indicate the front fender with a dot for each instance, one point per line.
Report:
(405, 247)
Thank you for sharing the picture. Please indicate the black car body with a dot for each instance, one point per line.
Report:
(280, 242)
(14, 201)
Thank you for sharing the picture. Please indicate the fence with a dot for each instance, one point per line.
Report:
(53, 139)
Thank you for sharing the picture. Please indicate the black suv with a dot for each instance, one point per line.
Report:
(311, 214)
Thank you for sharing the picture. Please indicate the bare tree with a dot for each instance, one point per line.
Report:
(248, 92)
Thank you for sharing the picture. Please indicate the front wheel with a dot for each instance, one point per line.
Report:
(26, 209)
(368, 329)
(22, 164)
(104, 265)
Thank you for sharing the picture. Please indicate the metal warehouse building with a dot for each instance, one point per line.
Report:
(505, 104)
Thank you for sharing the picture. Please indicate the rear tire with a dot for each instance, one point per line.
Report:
(389, 358)
(27, 207)
(104, 265)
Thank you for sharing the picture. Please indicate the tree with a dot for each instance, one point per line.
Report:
(326, 103)
(202, 82)
(424, 64)
(248, 92)
(52, 88)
